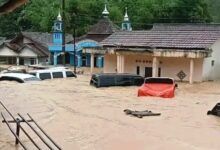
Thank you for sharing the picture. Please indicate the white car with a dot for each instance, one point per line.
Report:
(19, 77)
(52, 73)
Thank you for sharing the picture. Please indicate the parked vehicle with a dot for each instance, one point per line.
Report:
(18, 77)
(114, 79)
(161, 87)
(59, 72)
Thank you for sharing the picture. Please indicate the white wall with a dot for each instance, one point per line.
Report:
(5, 51)
(212, 72)
(26, 52)
(170, 67)
(110, 63)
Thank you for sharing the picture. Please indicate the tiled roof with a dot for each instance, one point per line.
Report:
(167, 36)
(44, 38)
(104, 26)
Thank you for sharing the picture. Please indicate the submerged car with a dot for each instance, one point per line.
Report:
(160, 87)
(52, 73)
(116, 79)
(18, 77)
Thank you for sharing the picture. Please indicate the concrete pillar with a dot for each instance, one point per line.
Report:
(17, 61)
(36, 61)
(92, 63)
(55, 59)
(155, 67)
(191, 73)
(120, 64)
(79, 61)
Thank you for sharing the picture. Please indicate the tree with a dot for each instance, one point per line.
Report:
(191, 11)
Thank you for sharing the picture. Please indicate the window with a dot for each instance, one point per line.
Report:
(70, 74)
(32, 79)
(44, 76)
(213, 63)
(34, 74)
(138, 70)
(57, 75)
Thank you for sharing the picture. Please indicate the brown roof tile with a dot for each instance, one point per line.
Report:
(176, 37)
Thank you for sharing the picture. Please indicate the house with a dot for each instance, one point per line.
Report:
(188, 52)
(27, 48)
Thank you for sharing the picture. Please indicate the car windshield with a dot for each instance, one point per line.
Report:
(159, 80)
(32, 79)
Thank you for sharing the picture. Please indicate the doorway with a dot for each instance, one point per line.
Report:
(148, 71)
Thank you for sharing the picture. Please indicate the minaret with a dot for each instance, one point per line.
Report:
(126, 25)
(57, 30)
(105, 12)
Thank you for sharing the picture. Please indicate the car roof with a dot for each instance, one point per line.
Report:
(17, 75)
(159, 78)
(49, 70)
(113, 74)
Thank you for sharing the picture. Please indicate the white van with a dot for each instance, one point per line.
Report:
(19, 77)
(52, 73)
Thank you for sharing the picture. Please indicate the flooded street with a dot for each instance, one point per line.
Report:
(80, 117)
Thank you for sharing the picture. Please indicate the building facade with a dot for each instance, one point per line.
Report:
(187, 52)
(24, 49)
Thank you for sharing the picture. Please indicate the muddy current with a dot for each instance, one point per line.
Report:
(80, 117)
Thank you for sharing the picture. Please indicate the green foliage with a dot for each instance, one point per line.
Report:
(38, 15)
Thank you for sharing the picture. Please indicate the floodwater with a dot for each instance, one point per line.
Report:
(80, 117)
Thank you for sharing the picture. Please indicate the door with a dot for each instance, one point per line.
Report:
(138, 70)
(148, 71)
(83, 60)
(159, 72)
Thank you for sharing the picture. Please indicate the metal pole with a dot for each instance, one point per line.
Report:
(44, 132)
(10, 128)
(74, 42)
(35, 131)
(17, 131)
(63, 31)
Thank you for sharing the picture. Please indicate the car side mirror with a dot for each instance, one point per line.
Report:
(176, 85)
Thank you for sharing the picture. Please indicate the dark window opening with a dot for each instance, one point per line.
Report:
(148, 71)
(44, 76)
(159, 72)
(213, 63)
(57, 75)
(70, 74)
(138, 70)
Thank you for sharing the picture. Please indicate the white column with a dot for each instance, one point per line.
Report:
(92, 63)
(122, 64)
(155, 67)
(36, 61)
(17, 61)
(118, 63)
(191, 73)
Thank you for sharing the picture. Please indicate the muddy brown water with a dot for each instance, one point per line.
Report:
(80, 117)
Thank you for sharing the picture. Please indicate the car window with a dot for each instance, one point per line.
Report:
(70, 74)
(57, 74)
(44, 76)
(34, 74)
(159, 80)
(32, 79)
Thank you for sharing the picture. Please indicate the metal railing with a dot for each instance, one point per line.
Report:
(29, 122)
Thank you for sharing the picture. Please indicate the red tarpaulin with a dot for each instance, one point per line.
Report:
(165, 90)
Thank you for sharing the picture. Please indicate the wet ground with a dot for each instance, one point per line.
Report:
(80, 117)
